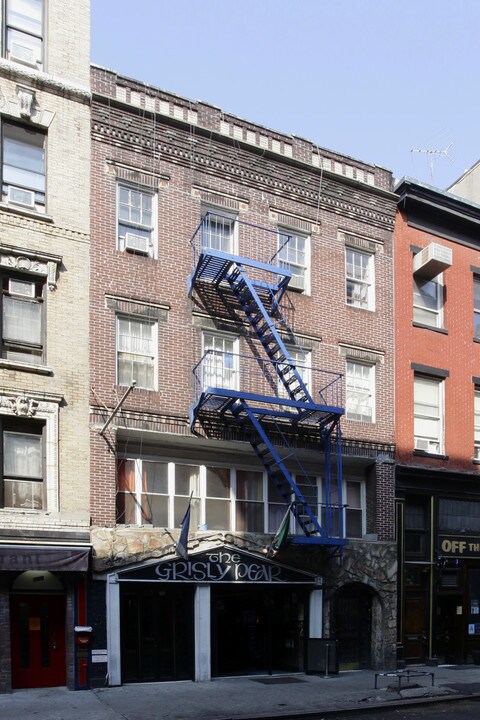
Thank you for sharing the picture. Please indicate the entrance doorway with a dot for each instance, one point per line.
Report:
(450, 631)
(37, 625)
(415, 640)
(257, 630)
(157, 635)
(354, 627)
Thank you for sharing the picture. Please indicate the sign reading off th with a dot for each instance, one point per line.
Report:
(220, 566)
(459, 546)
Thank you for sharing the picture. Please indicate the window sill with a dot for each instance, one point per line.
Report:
(436, 456)
(361, 309)
(7, 207)
(25, 367)
(442, 331)
(475, 461)
(476, 339)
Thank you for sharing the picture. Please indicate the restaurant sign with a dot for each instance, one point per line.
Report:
(459, 546)
(224, 565)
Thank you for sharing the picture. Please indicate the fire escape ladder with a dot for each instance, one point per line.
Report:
(264, 326)
(304, 503)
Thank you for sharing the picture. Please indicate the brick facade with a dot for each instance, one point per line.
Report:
(196, 157)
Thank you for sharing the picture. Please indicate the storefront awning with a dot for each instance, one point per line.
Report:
(18, 558)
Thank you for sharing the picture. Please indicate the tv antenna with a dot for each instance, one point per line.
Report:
(434, 155)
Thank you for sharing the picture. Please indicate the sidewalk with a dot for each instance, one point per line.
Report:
(239, 698)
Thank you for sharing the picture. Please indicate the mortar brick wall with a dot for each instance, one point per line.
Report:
(62, 93)
(198, 155)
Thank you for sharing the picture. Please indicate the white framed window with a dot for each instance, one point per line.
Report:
(352, 511)
(22, 318)
(476, 423)
(23, 167)
(136, 224)
(137, 343)
(294, 255)
(220, 364)
(157, 492)
(360, 278)
(23, 464)
(428, 414)
(24, 31)
(219, 232)
(360, 391)
(476, 307)
(303, 364)
(428, 301)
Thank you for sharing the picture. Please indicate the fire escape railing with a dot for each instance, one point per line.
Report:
(278, 400)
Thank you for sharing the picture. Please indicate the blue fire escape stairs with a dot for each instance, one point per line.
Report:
(272, 403)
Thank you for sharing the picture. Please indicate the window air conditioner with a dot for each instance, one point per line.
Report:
(19, 196)
(21, 287)
(296, 282)
(426, 445)
(432, 260)
(137, 243)
(22, 53)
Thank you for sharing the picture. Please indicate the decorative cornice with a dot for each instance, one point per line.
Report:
(44, 81)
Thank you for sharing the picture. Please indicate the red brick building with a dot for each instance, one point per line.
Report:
(437, 263)
(241, 311)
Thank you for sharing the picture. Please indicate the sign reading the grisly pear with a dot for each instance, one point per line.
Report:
(224, 565)
(459, 546)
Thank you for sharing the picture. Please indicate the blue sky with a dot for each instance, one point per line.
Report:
(373, 79)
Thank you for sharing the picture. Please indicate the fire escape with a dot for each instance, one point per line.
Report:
(271, 397)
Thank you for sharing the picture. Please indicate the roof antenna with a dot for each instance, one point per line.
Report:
(434, 155)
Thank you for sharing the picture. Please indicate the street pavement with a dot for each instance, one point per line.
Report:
(242, 698)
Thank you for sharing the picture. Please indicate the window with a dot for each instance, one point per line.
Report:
(23, 464)
(292, 255)
(359, 276)
(428, 414)
(218, 232)
(136, 227)
(302, 362)
(137, 352)
(360, 380)
(22, 318)
(24, 31)
(476, 307)
(157, 492)
(352, 511)
(428, 301)
(220, 367)
(249, 506)
(23, 167)
(476, 424)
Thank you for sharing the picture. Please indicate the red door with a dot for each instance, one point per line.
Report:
(38, 640)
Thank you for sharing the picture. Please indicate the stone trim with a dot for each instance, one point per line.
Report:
(361, 243)
(138, 177)
(29, 261)
(296, 222)
(36, 406)
(222, 200)
(130, 306)
(374, 357)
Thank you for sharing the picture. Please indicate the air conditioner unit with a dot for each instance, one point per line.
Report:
(426, 445)
(296, 282)
(21, 287)
(432, 260)
(137, 243)
(22, 53)
(19, 196)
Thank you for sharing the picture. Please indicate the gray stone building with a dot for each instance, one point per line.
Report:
(44, 268)
(242, 290)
